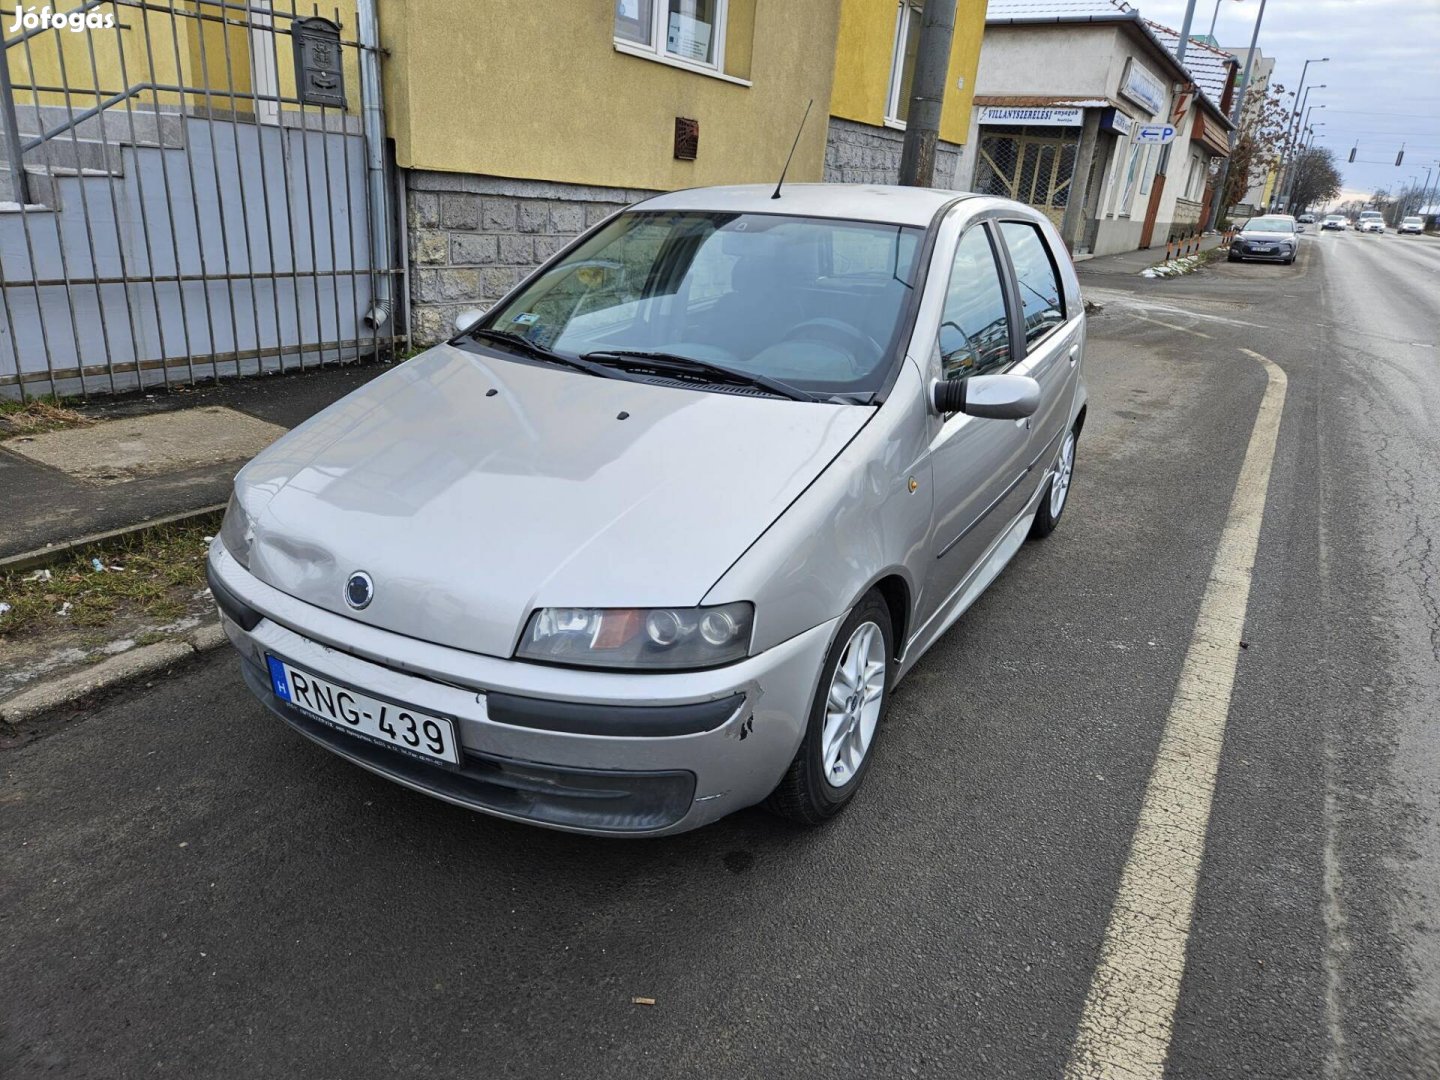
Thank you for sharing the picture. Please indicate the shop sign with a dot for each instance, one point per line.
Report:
(1033, 115)
(1141, 86)
(1116, 121)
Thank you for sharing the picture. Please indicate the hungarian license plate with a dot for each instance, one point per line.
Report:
(379, 721)
(1263, 249)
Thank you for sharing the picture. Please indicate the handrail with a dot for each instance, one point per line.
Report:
(77, 118)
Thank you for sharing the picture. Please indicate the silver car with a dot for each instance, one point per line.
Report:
(656, 538)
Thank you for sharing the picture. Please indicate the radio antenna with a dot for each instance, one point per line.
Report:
(792, 150)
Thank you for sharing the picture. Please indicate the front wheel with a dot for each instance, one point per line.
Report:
(1057, 490)
(844, 718)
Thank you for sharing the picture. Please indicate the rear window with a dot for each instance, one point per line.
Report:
(1042, 300)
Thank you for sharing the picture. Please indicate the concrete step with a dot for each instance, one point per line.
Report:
(137, 125)
(76, 155)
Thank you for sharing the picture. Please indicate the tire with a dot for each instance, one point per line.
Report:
(806, 794)
(1232, 258)
(1048, 514)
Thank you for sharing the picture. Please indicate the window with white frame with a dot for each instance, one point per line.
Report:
(690, 32)
(1196, 186)
(902, 64)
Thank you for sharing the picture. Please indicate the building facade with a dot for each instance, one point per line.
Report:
(1069, 98)
(874, 69)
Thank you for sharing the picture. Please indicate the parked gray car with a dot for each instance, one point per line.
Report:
(656, 538)
(1271, 238)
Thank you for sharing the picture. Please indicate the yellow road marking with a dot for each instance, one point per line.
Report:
(1129, 1013)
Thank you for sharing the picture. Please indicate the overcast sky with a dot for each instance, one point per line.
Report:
(1382, 84)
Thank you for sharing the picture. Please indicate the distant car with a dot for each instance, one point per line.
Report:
(1271, 238)
(1333, 221)
(1371, 221)
(1306, 219)
(1412, 224)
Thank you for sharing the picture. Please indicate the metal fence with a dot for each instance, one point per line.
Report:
(1038, 169)
(196, 189)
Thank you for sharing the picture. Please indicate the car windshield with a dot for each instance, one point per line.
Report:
(1269, 224)
(812, 302)
(1372, 215)
(1335, 217)
(1413, 221)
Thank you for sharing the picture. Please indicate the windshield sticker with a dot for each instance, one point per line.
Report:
(526, 318)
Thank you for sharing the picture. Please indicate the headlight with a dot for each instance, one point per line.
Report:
(236, 533)
(663, 639)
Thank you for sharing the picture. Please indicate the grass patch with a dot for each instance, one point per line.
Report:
(38, 415)
(160, 573)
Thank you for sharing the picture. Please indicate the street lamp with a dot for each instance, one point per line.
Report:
(1213, 18)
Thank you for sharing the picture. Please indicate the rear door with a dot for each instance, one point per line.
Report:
(1053, 336)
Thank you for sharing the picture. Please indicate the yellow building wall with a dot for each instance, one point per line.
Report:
(148, 45)
(535, 89)
(865, 50)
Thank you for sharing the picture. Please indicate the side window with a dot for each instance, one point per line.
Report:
(1041, 297)
(974, 326)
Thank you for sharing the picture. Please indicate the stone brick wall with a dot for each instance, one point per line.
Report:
(472, 238)
(861, 154)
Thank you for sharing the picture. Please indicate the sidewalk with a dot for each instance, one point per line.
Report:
(1133, 262)
(151, 456)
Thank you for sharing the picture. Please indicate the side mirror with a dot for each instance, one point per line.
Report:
(467, 318)
(995, 397)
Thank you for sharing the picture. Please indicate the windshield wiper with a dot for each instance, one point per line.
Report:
(538, 352)
(675, 364)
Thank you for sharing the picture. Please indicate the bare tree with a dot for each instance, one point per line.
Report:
(1316, 178)
(1258, 144)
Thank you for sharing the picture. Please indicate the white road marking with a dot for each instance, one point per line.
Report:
(1168, 326)
(1129, 1013)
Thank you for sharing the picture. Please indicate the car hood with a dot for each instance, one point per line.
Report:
(474, 489)
(1266, 237)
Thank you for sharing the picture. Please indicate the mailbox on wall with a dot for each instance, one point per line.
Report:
(319, 73)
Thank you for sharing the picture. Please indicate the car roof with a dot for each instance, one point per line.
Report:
(891, 205)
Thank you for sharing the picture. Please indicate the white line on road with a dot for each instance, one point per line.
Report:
(1168, 326)
(1129, 1013)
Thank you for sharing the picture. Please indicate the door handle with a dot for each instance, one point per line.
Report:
(1024, 422)
(1074, 353)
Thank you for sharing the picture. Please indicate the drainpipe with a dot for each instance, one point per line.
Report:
(373, 117)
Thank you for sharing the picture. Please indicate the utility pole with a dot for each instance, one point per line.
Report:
(927, 94)
(1236, 112)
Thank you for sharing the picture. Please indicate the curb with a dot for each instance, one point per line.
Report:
(48, 556)
(109, 673)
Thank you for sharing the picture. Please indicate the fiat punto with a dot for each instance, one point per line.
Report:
(656, 537)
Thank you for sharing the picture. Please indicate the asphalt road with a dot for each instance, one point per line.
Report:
(189, 889)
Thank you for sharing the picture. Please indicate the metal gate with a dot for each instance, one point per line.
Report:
(196, 189)
(1034, 169)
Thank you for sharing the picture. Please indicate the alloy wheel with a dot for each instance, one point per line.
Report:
(1060, 485)
(852, 708)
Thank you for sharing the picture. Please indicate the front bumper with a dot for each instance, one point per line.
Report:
(1261, 256)
(560, 747)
